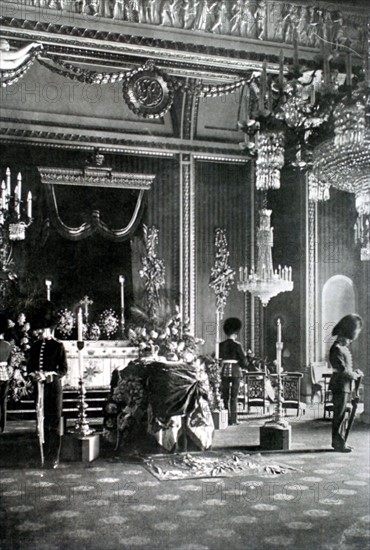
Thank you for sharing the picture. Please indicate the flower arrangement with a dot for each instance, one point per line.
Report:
(173, 340)
(66, 322)
(212, 368)
(108, 322)
(94, 332)
(20, 340)
(222, 275)
(153, 270)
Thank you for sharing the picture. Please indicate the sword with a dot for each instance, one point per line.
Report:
(40, 419)
(355, 401)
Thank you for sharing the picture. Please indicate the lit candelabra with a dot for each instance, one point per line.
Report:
(14, 220)
(265, 282)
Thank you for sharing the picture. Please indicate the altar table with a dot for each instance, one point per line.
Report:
(101, 358)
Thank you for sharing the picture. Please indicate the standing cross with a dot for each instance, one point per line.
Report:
(85, 302)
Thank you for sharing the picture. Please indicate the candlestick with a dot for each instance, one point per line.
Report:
(281, 69)
(19, 185)
(29, 204)
(263, 87)
(79, 325)
(247, 100)
(48, 289)
(295, 49)
(17, 204)
(121, 280)
(349, 69)
(313, 94)
(8, 188)
(217, 350)
(3, 195)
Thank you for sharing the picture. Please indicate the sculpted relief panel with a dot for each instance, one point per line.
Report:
(253, 19)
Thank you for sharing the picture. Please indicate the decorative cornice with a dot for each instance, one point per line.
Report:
(162, 146)
(95, 177)
(236, 56)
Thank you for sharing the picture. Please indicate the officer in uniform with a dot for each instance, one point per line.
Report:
(5, 374)
(233, 360)
(47, 364)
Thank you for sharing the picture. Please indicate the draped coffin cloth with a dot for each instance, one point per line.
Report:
(173, 392)
(175, 398)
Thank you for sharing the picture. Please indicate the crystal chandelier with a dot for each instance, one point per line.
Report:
(270, 159)
(265, 283)
(317, 191)
(344, 163)
(349, 124)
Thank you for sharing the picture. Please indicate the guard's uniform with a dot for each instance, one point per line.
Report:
(340, 385)
(231, 374)
(45, 356)
(5, 355)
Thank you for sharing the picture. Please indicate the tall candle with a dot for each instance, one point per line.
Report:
(17, 204)
(79, 325)
(263, 87)
(247, 101)
(279, 331)
(349, 69)
(121, 280)
(48, 289)
(19, 185)
(240, 274)
(29, 205)
(295, 48)
(3, 195)
(281, 69)
(8, 188)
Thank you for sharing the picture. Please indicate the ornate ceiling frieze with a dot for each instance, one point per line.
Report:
(255, 20)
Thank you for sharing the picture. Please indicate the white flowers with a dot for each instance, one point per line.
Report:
(66, 322)
(108, 322)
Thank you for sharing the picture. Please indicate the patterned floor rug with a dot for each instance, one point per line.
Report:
(211, 465)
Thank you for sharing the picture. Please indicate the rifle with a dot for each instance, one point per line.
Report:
(40, 419)
(355, 401)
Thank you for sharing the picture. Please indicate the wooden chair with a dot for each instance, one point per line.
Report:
(256, 390)
(242, 395)
(318, 369)
(291, 382)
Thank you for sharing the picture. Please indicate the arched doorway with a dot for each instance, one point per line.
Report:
(338, 299)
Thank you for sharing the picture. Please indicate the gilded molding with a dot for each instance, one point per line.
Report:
(137, 146)
(311, 280)
(95, 177)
